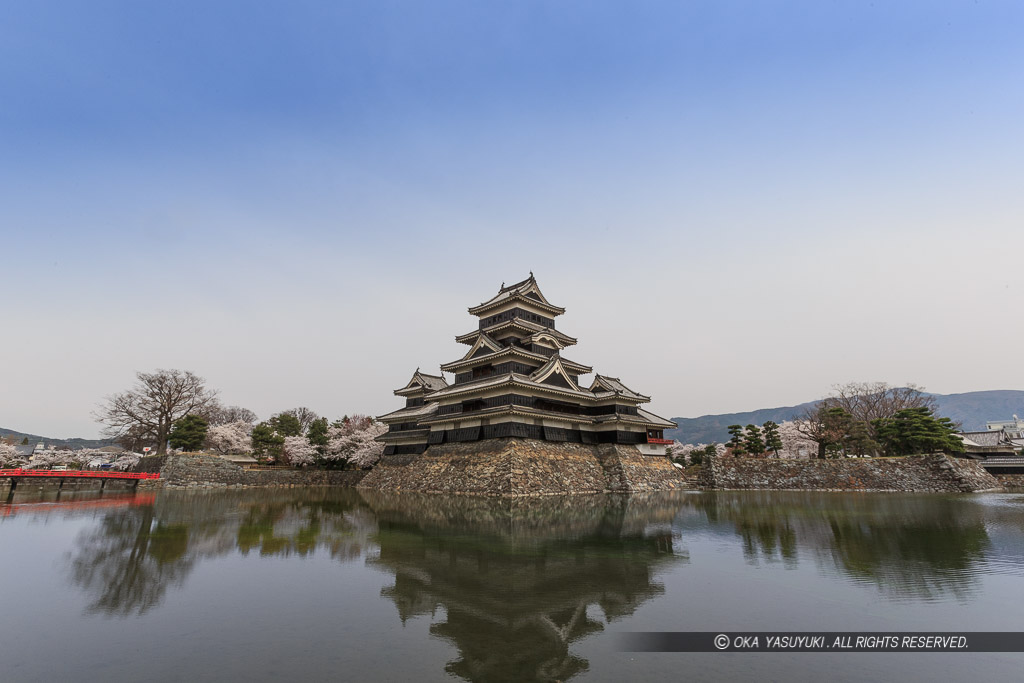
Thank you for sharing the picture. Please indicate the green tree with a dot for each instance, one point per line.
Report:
(286, 424)
(188, 433)
(917, 430)
(735, 442)
(857, 440)
(317, 434)
(266, 443)
(753, 442)
(702, 455)
(828, 426)
(772, 440)
(24, 442)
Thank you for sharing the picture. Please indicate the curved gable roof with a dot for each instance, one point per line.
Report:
(422, 381)
(605, 383)
(553, 368)
(526, 290)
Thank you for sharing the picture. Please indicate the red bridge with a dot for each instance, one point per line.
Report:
(17, 475)
(122, 500)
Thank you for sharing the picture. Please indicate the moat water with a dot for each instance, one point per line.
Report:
(331, 584)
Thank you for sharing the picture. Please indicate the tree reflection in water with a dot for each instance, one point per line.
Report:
(517, 582)
(909, 546)
(520, 580)
(131, 558)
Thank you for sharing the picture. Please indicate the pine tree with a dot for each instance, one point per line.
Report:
(735, 442)
(772, 440)
(266, 443)
(917, 430)
(188, 433)
(318, 435)
(858, 441)
(286, 424)
(753, 442)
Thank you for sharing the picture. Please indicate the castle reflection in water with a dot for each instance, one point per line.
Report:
(513, 584)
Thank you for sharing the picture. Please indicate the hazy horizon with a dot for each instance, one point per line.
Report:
(740, 205)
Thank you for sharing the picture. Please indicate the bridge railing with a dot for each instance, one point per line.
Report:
(76, 474)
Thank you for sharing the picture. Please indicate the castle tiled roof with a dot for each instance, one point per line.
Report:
(614, 385)
(415, 412)
(433, 382)
(526, 290)
(422, 381)
(470, 337)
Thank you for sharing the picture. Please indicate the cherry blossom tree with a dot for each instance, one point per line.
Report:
(217, 414)
(43, 460)
(126, 461)
(352, 441)
(795, 442)
(299, 451)
(227, 439)
(9, 458)
(683, 452)
(88, 457)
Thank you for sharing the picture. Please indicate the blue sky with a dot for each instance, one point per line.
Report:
(298, 200)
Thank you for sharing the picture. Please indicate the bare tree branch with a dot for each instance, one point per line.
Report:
(148, 410)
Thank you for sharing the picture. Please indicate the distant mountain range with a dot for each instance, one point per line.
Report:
(72, 444)
(972, 410)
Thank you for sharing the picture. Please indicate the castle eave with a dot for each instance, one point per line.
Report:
(523, 325)
(470, 389)
(508, 351)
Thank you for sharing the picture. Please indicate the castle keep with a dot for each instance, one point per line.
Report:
(518, 420)
(514, 382)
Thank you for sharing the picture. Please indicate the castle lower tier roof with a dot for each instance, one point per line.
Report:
(512, 378)
(643, 418)
(655, 419)
(411, 413)
(406, 436)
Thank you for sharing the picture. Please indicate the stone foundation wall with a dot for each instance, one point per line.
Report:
(935, 472)
(627, 470)
(524, 467)
(192, 470)
(1010, 481)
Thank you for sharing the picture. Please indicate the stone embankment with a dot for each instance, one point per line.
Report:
(193, 470)
(1011, 482)
(525, 467)
(936, 472)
